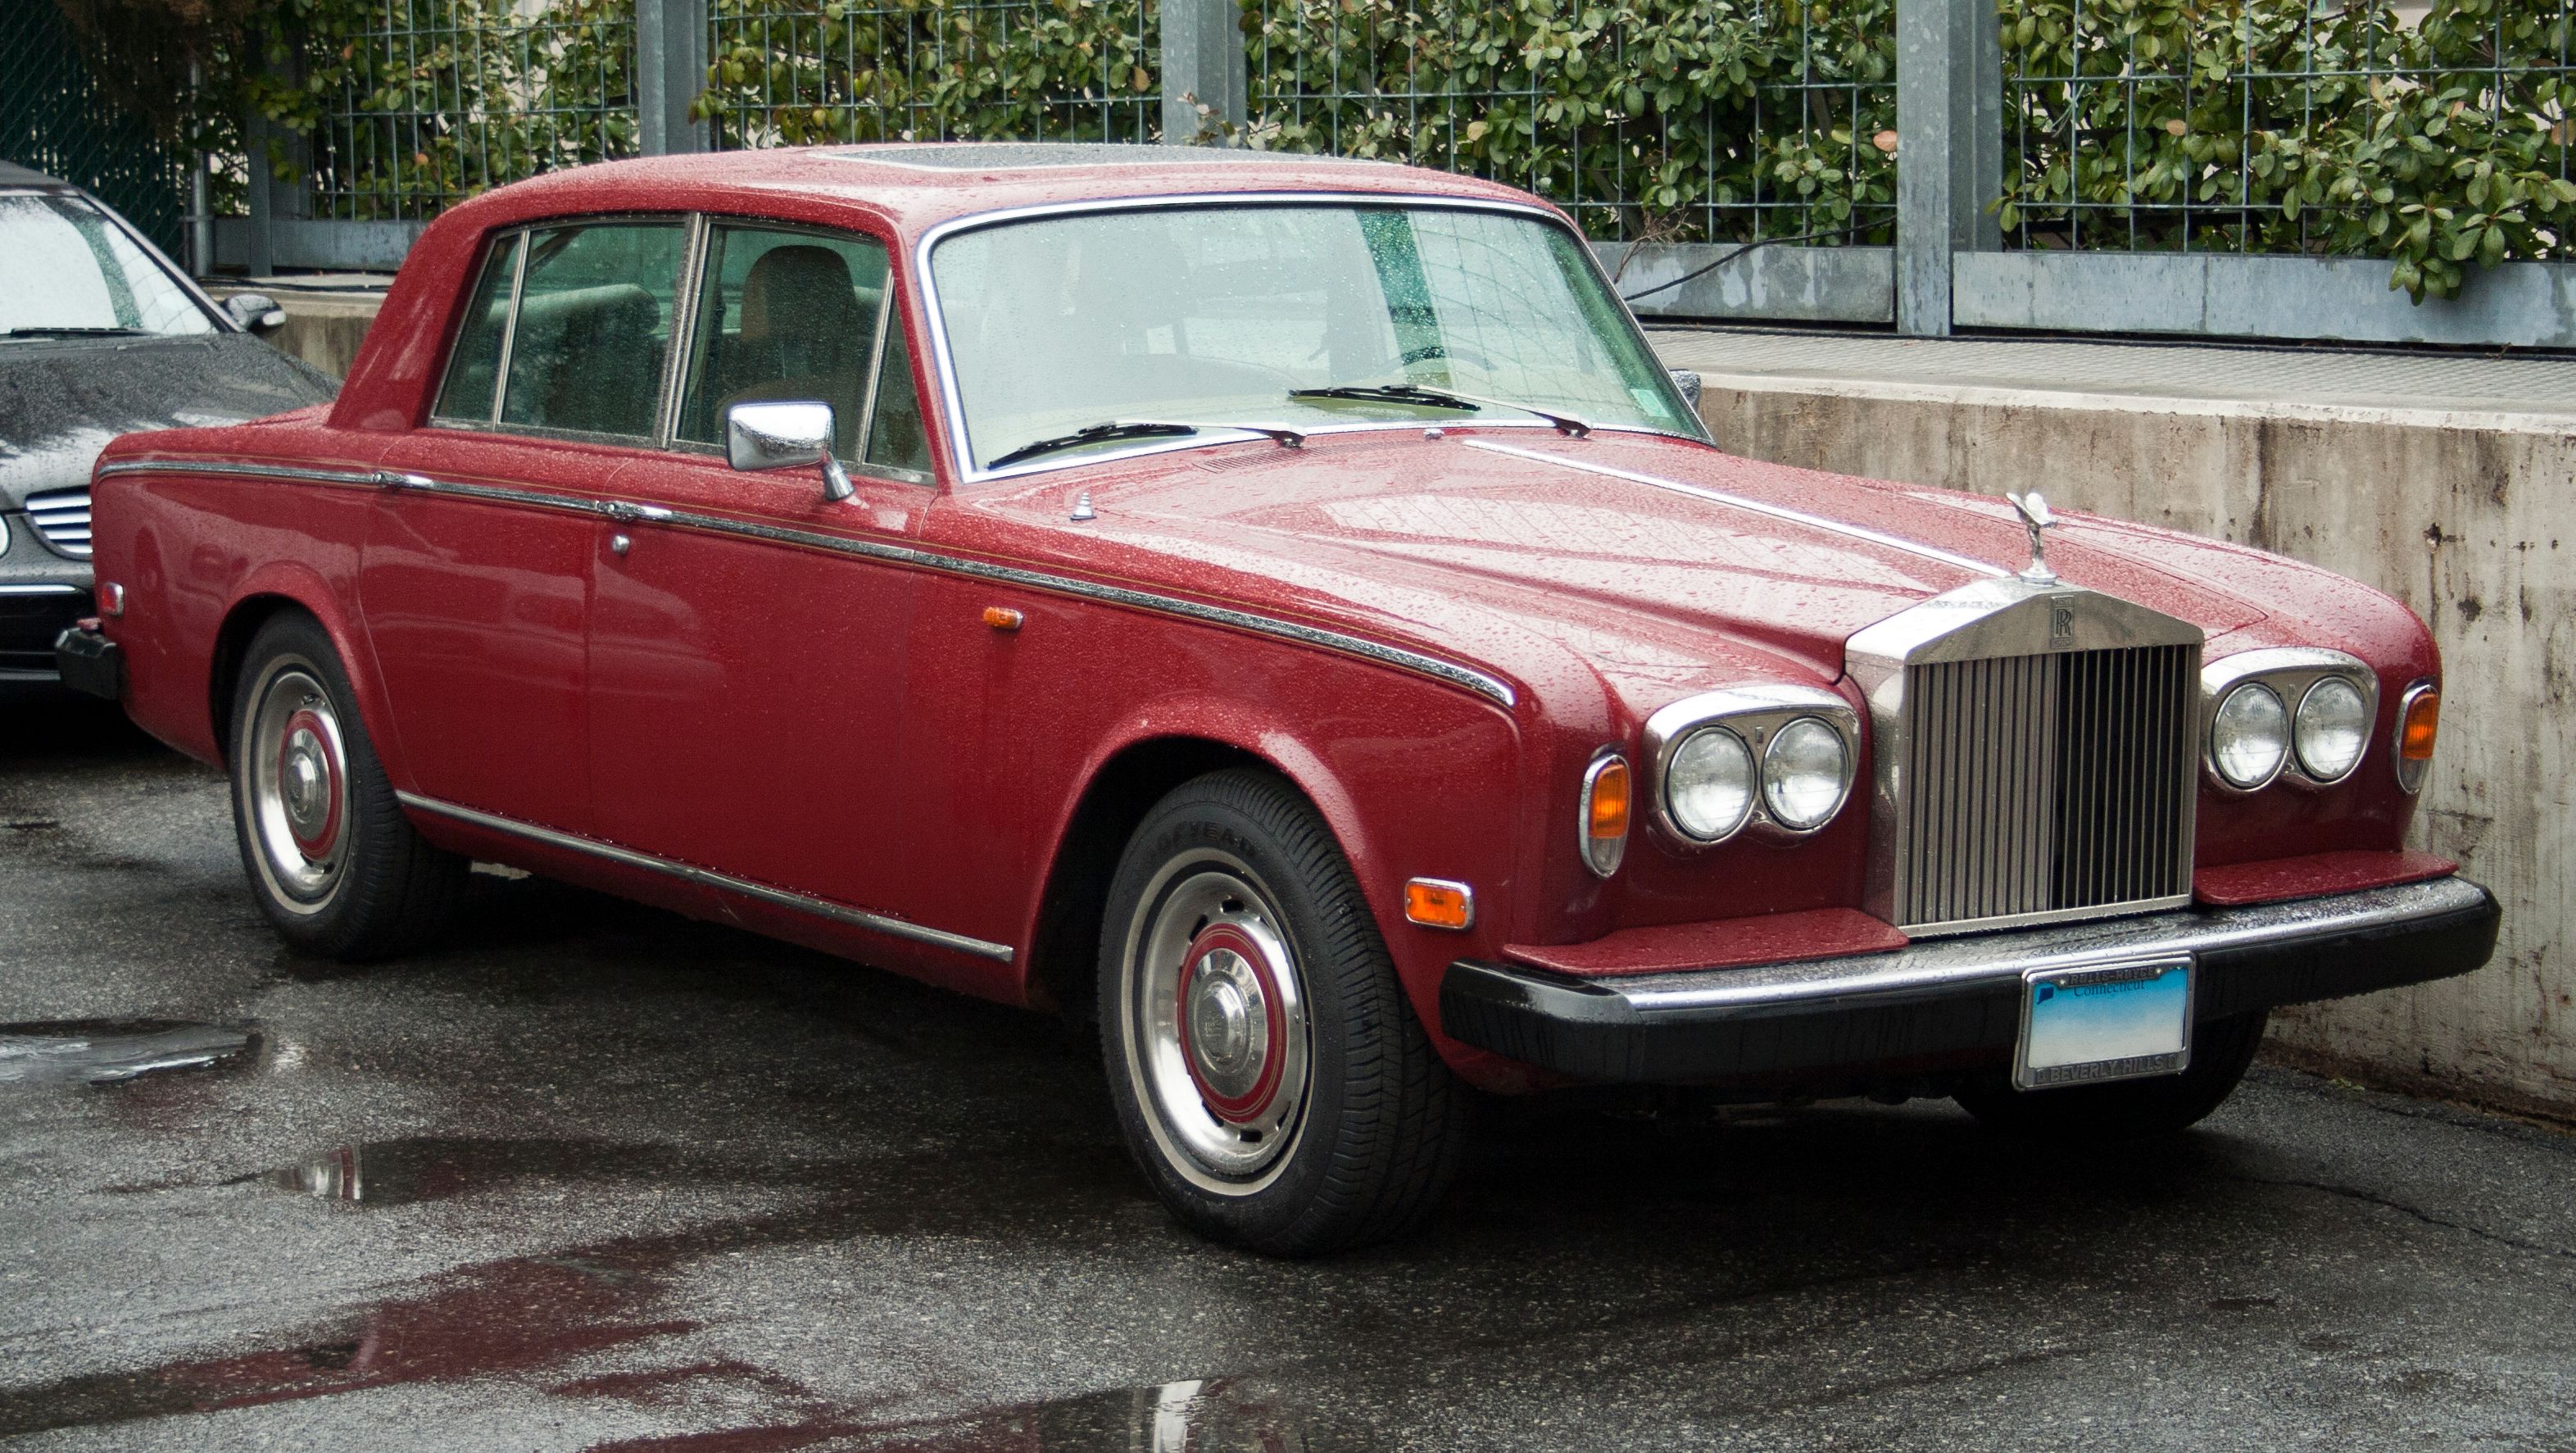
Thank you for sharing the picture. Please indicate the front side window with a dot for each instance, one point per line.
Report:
(67, 268)
(575, 324)
(784, 315)
(1294, 315)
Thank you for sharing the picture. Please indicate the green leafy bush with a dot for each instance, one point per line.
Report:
(931, 69)
(1667, 120)
(2266, 126)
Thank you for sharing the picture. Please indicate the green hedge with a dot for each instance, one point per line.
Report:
(1654, 119)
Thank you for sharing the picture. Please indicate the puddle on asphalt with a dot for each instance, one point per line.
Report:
(107, 1052)
(1211, 1415)
(400, 1172)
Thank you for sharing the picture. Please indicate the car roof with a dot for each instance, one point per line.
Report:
(13, 175)
(917, 185)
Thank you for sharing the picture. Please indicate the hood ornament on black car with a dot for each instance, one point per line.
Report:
(2035, 517)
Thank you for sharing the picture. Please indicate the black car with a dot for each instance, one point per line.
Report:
(99, 336)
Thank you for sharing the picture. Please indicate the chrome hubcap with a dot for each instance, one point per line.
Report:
(1215, 1024)
(299, 791)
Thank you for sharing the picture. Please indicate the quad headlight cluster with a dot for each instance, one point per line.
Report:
(2298, 712)
(1776, 759)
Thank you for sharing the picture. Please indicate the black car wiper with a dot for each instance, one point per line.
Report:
(43, 332)
(1141, 429)
(1437, 398)
(1095, 434)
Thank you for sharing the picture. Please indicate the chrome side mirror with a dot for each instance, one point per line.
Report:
(1688, 383)
(785, 435)
(255, 313)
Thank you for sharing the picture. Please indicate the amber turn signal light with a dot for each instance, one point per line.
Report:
(2423, 723)
(1001, 618)
(1439, 903)
(1606, 800)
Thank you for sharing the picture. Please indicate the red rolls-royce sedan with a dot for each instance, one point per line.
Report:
(1280, 607)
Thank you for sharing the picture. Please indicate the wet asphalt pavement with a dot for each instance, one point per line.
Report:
(591, 1175)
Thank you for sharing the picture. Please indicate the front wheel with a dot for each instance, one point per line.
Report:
(335, 865)
(2132, 1109)
(1268, 1073)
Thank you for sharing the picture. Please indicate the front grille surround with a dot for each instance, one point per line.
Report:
(61, 519)
(2035, 757)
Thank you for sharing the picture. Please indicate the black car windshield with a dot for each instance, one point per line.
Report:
(66, 268)
(1297, 316)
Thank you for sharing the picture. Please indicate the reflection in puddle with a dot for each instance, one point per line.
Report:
(106, 1052)
(1202, 1415)
(428, 1168)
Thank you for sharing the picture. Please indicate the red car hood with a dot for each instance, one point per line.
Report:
(1655, 563)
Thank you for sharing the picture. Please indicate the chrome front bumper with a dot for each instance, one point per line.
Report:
(1952, 1003)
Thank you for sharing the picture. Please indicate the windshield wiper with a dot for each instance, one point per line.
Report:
(67, 332)
(1437, 398)
(1138, 429)
(1095, 434)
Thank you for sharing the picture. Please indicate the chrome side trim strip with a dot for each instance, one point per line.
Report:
(1754, 506)
(709, 878)
(1491, 687)
(39, 590)
(2002, 958)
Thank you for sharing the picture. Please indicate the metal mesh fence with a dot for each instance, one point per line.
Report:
(430, 101)
(900, 70)
(2273, 125)
(56, 118)
(1662, 121)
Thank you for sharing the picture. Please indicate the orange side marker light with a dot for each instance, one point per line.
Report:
(2423, 723)
(1440, 903)
(1002, 618)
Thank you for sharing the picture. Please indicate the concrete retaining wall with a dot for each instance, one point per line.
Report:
(2469, 518)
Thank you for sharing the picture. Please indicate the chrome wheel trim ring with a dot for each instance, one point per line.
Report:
(296, 763)
(1212, 1019)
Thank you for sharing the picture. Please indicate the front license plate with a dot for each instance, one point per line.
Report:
(2104, 1022)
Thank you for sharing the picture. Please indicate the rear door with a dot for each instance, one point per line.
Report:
(748, 644)
(476, 579)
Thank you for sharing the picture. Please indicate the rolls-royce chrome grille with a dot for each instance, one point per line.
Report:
(2035, 756)
(61, 516)
(2046, 785)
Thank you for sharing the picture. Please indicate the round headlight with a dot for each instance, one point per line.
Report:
(1708, 786)
(1805, 772)
(2333, 726)
(2249, 739)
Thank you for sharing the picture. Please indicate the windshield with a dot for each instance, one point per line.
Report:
(66, 267)
(1222, 315)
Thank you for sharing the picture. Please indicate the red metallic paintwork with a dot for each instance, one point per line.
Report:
(2314, 876)
(851, 729)
(1767, 938)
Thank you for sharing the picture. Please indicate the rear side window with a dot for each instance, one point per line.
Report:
(785, 315)
(474, 371)
(569, 328)
(593, 327)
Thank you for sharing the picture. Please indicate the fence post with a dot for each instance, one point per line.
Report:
(271, 198)
(1949, 150)
(670, 70)
(1203, 65)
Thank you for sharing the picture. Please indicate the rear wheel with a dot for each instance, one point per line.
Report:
(1269, 1075)
(335, 865)
(2132, 1109)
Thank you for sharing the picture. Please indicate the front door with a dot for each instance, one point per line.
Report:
(476, 578)
(747, 655)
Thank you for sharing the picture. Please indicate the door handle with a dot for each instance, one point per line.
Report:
(628, 512)
(395, 479)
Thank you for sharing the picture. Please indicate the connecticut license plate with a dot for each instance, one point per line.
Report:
(2103, 1022)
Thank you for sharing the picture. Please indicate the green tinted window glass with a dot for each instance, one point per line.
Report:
(784, 315)
(896, 439)
(475, 367)
(594, 326)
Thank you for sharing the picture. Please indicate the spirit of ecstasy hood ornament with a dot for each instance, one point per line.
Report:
(2035, 517)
